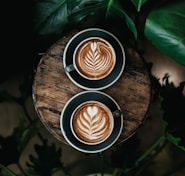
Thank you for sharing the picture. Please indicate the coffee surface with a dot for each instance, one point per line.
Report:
(95, 58)
(92, 122)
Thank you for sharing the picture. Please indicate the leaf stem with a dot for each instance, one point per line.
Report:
(156, 144)
(145, 155)
(148, 162)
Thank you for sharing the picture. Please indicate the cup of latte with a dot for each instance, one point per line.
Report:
(91, 121)
(94, 59)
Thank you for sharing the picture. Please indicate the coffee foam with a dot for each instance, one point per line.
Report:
(92, 122)
(95, 58)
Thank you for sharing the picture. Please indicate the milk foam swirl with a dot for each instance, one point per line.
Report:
(92, 123)
(95, 58)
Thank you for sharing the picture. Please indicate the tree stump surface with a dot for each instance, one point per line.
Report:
(52, 89)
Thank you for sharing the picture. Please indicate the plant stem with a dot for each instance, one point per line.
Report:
(6, 170)
(156, 144)
(148, 162)
(145, 155)
(116, 172)
(65, 171)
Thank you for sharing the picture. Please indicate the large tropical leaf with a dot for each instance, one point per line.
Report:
(8, 151)
(76, 5)
(138, 4)
(80, 9)
(173, 103)
(165, 27)
(50, 16)
(56, 16)
(47, 161)
(100, 9)
(129, 22)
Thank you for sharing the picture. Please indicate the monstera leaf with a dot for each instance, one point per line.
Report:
(56, 16)
(50, 17)
(80, 9)
(8, 151)
(129, 22)
(47, 160)
(173, 103)
(165, 27)
(13, 145)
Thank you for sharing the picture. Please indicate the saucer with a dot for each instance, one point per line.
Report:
(71, 105)
(105, 82)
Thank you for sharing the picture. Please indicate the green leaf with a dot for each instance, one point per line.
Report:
(100, 9)
(130, 23)
(50, 17)
(57, 16)
(173, 103)
(176, 141)
(165, 27)
(138, 4)
(8, 149)
(79, 10)
(125, 154)
(47, 161)
(76, 5)
(24, 136)
(7, 171)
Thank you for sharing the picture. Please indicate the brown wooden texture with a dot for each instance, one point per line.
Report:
(52, 89)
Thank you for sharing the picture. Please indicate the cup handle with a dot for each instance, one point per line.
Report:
(69, 68)
(117, 113)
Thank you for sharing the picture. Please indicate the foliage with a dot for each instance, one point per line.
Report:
(173, 103)
(47, 161)
(161, 22)
(165, 28)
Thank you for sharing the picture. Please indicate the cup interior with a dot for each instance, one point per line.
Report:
(94, 58)
(92, 122)
(66, 121)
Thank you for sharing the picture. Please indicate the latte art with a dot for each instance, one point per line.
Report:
(95, 58)
(92, 122)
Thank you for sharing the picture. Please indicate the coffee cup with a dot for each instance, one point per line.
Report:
(91, 121)
(94, 59)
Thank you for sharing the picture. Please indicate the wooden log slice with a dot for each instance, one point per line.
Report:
(52, 89)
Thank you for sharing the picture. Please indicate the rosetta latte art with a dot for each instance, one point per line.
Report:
(92, 123)
(95, 58)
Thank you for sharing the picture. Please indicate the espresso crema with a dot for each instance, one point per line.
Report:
(92, 122)
(95, 58)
